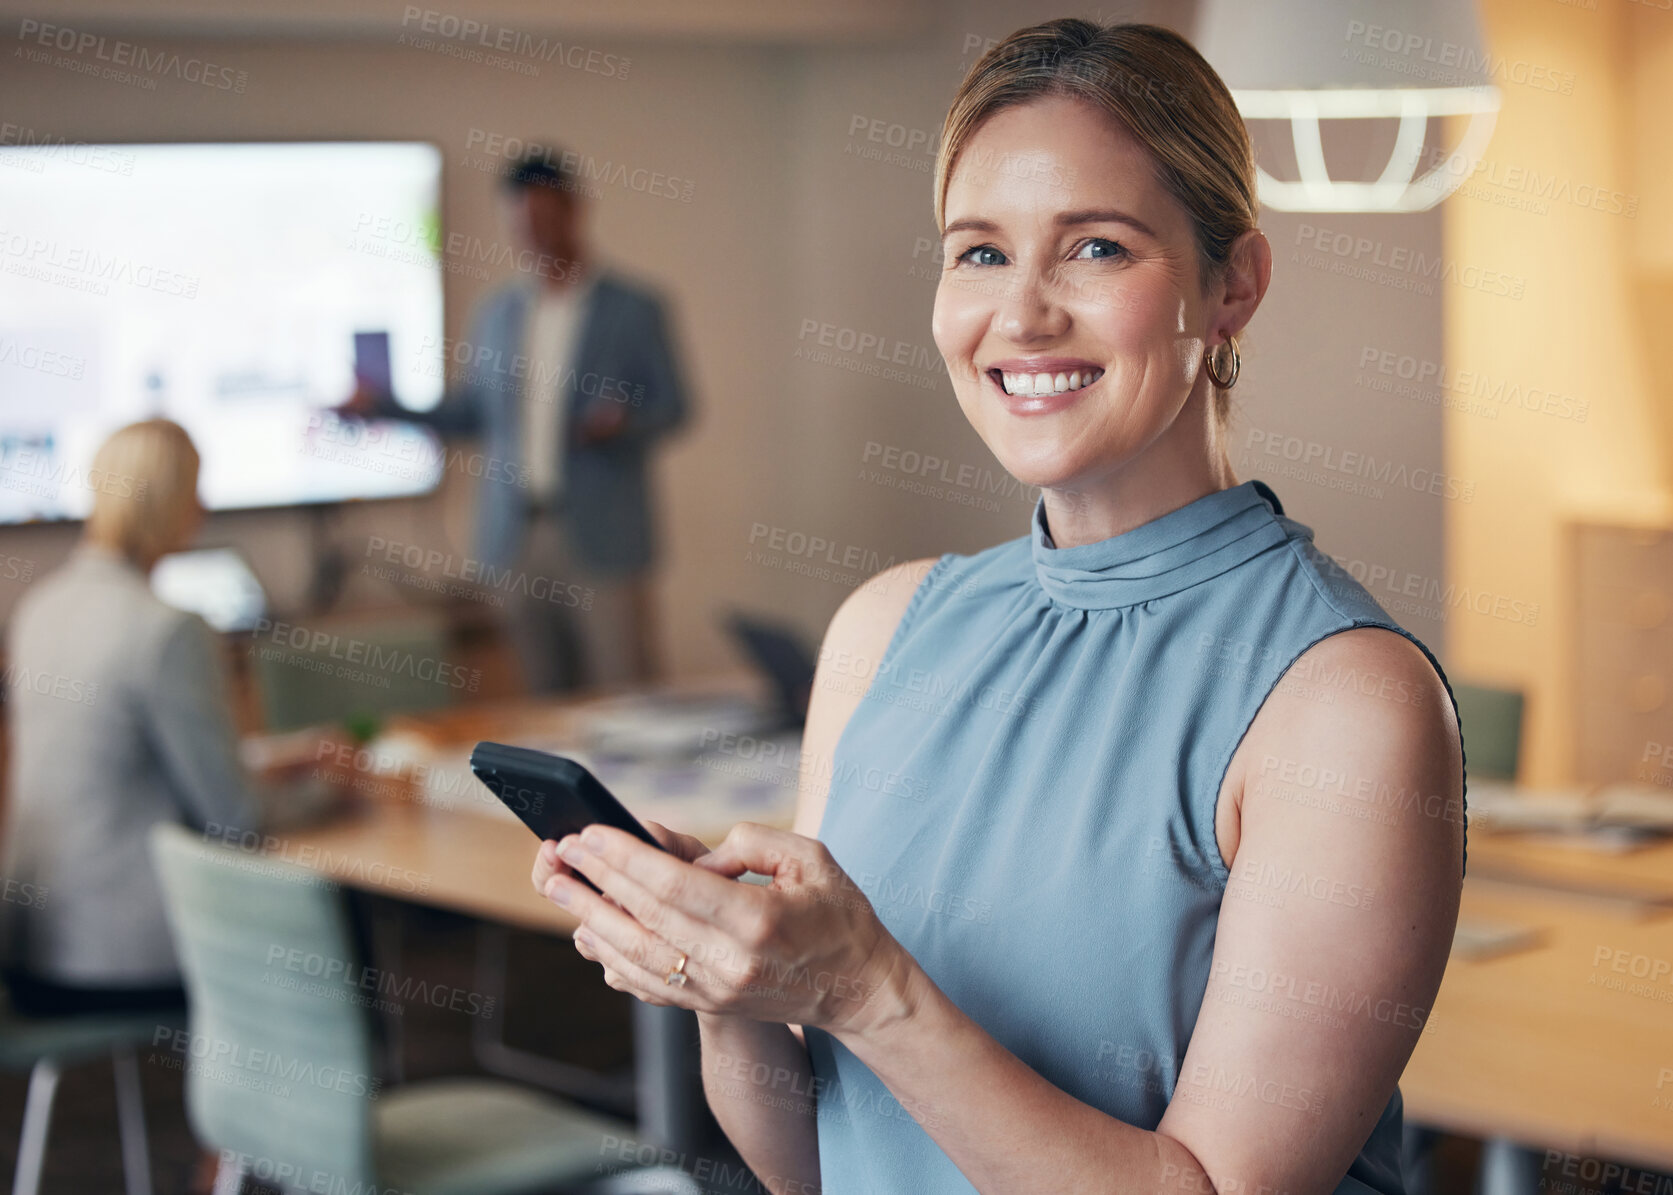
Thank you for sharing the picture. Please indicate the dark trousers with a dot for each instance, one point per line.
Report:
(36, 997)
(571, 626)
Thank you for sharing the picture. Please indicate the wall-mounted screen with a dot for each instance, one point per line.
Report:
(232, 288)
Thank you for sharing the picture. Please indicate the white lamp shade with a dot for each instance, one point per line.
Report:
(1327, 45)
(1307, 61)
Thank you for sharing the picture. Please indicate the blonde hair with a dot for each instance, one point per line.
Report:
(1161, 90)
(144, 480)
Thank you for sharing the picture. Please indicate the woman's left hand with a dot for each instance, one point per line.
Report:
(805, 949)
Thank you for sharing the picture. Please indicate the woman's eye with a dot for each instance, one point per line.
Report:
(1098, 248)
(982, 255)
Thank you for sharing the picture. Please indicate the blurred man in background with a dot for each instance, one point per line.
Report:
(572, 380)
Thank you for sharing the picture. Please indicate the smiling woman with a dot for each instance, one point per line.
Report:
(1173, 917)
(1176, 197)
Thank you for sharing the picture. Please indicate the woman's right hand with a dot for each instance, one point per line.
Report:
(681, 846)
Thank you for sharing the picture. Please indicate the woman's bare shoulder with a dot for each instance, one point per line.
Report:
(1366, 709)
(855, 641)
(867, 618)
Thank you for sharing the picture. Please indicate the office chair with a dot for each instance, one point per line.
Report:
(280, 1078)
(45, 1046)
(1491, 722)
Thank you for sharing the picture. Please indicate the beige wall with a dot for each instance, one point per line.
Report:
(855, 266)
(787, 225)
(712, 115)
(1582, 332)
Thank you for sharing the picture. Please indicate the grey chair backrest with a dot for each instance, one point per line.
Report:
(278, 1054)
(1491, 722)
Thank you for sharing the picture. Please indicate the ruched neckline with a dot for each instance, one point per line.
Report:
(1175, 551)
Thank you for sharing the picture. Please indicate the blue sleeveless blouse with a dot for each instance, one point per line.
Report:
(1027, 792)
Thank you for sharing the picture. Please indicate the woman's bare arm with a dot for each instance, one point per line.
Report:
(1312, 1008)
(756, 1074)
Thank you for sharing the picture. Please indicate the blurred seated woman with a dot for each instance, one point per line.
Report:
(120, 719)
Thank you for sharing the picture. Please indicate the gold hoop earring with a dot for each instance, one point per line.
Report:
(1224, 383)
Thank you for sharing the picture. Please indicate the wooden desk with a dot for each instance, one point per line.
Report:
(561, 716)
(1521, 1047)
(1645, 873)
(471, 861)
(466, 862)
(1528, 1047)
(463, 852)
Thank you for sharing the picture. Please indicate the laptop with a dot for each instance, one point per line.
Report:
(778, 654)
(216, 583)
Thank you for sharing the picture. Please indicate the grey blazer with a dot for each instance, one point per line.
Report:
(120, 719)
(622, 355)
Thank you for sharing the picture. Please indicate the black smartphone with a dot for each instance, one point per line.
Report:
(551, 795)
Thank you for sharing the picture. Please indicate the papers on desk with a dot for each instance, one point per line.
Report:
(293, 748)
(1643, 806)
(742, 778)
(1475, 939)
(668, 726)
(1606, 817)
(750, 780)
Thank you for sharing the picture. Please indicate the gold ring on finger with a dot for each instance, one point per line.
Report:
(677, 975)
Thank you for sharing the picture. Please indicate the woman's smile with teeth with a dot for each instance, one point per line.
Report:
(1041, 384)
